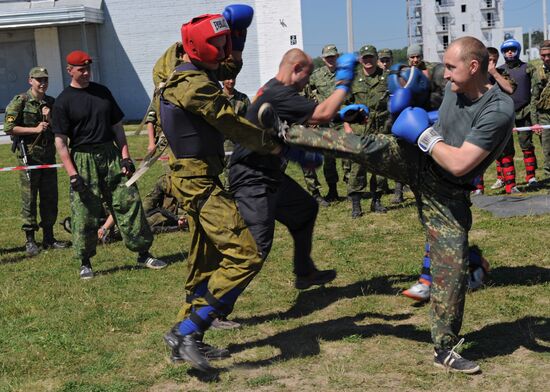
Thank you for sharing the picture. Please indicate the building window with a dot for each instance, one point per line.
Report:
(463, 27)
(489, 3)
(490, 20)
(463, 8)
(445, 41)
(444, 22)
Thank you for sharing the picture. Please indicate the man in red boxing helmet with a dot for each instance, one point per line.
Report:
(196, 116)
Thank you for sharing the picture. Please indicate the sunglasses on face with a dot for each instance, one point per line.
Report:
(41, 80)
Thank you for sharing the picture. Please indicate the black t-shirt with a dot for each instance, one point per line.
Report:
(250, 168)
(86, 115)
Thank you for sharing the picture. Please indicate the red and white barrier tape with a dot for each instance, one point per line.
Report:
(57, 165)
(527, 129)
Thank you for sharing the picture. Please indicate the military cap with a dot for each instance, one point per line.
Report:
(413, 50)
(368, 50)
(78, 58)
(329, 50)
(385, 53)
(38, 72)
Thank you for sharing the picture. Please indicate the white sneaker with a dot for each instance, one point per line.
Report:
(514, 190)
(498, 184)
(420, 291)
(477, 192)
(533, 183)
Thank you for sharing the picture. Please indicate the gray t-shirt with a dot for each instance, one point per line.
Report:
(486, 122)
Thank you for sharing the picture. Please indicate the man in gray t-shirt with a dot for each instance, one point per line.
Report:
(475, 122)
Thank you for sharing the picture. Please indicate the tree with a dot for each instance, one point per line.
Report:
(537, 37)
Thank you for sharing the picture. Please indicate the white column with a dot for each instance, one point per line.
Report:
(48, 56)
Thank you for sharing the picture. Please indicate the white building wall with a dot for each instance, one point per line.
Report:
(48, 56)
(137, 32)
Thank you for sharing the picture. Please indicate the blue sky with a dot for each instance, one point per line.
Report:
(383, 23)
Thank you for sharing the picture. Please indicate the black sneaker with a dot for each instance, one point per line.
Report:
(377, 207)
(32, 249)
(316, 278)
(188, 348)
(150, 262)
(55, 244)
(452, 361)
(86, 272)
(320, 200)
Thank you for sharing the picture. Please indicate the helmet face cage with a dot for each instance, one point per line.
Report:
(196, 36)
(511, 44)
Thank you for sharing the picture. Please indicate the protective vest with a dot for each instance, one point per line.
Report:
(189, 135)
(522, 94)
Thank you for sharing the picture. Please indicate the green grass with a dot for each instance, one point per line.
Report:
(60, 334)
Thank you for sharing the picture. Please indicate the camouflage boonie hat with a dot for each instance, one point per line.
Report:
(38, 72)
(385, 53)
(368, 50)
(329, 50)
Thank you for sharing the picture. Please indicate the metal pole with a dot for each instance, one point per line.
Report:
(544, 19)
(350, 26)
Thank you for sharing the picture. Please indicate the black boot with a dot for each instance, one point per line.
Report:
(332, 194)
(30, 246)
(49, 240)
(188, 348)
(356, 210)
(376, 206)
(398, 193)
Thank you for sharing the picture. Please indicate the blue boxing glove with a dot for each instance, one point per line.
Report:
(399, 100)
(413, 125)
(355, 113)
(433, 116)
(306, 159)
(239, 17)
(345, 71)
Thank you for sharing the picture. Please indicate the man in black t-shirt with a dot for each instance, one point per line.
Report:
(87, 115)
(264, 193)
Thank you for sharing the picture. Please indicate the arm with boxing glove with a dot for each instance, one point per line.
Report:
(344, 74)
(309, 160)
(239, 17)
(413, 125)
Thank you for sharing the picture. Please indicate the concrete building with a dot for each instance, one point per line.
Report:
(435, 23)
(125, 38)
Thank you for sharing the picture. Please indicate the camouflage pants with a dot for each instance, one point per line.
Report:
(444, 210)
(329, 171)
(545, 120)
(42, 186)
(525, 138)
(99, 166)
(223, 256)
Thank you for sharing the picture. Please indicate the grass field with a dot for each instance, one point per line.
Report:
(58, 333)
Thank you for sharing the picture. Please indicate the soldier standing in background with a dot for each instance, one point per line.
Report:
(369, 88)
(27, 121)
(385, 59)
(541, 94)
(320, 87)
(87, 115)
(524, 75)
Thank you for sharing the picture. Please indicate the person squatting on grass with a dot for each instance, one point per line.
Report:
(87, 115)
(475, 123)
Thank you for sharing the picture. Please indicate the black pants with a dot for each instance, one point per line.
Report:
(291, 205)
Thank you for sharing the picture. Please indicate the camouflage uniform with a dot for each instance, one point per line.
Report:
(223, 256)
(240, 103)
(541, 95)
(321, 86)
(444, 207)
(99, 166)
(25, 111)
(370, 90)
(161, 208)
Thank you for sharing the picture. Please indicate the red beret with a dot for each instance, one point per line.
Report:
(78, 58)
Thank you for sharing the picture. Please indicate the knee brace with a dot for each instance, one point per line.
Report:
(530, 160)
(508, 172)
